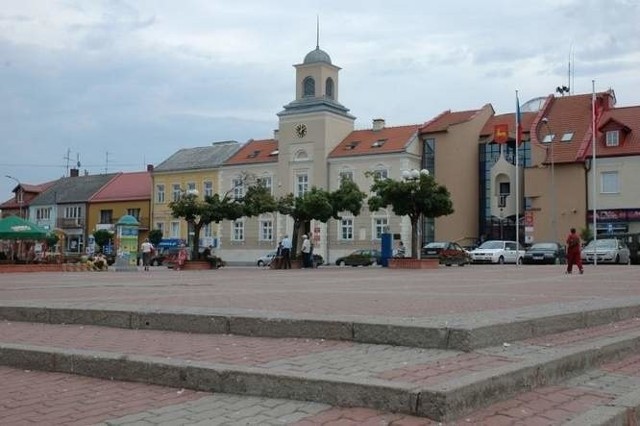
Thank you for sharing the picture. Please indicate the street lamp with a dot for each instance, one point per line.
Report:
(414, 175)
(20, 197)
(551, 136)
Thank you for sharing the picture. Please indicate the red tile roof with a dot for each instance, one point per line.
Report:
(627, 120)
(370, 142)
(447, 118)
(30, 192)
(125, 187)
(255, 151)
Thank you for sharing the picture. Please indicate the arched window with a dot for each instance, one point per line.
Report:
(328, 91)
(309, 87)
(300, 155)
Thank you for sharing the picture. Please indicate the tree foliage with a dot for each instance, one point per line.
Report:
(102, 237)
(155, 236)
(414, 198)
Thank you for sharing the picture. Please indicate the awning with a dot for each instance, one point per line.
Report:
(15, 228)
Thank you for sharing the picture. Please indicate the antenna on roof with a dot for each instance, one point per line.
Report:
(68, 158)
(78, 159)
(318, 31)
(106, 166)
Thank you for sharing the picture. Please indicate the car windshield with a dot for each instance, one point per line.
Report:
(603, 244)
(435, 245)
(492, 245)
(543, 246)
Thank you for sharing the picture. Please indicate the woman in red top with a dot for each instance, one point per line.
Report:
(573, 251)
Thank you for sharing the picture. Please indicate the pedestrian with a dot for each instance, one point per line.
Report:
(306, 252)
(276, 262)
(182, 257)
(573, 251)
(401, 251)
(147, 249)
(286, 252)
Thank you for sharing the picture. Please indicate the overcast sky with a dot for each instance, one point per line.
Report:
(136, 80)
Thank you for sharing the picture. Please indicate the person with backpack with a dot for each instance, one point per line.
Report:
(573, 251)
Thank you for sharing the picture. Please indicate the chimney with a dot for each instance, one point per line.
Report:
(378, 124)
(275, 134)
(74, 172)
(149, 167)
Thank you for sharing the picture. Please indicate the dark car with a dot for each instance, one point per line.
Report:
(545, 252)
(448, 252)
(360, 258)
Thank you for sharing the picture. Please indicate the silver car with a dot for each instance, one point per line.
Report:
(607, 250)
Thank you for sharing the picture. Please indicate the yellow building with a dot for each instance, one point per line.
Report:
(188, 170)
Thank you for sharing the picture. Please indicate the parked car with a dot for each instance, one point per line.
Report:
(498, 251)
(360, 258)
(544, 252)
(607, 250)
(266, 259)
(448, 252)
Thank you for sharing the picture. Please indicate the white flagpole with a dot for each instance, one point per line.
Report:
(517, 180)
(594, 209)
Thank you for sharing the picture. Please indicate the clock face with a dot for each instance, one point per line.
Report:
(301, 130)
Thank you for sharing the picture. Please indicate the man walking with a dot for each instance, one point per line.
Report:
(147, 249)
(286, 252)
(573, 251)
(306, 252)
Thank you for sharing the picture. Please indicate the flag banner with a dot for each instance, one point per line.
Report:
(501, 133)
(518, 122)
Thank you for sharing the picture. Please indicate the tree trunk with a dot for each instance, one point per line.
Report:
(196, 240)
(415, 244)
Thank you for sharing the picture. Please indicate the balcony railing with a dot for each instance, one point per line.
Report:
(70, 222)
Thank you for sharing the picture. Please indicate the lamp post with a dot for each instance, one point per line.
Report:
(551, 136)
(20, 198)
(413, 176)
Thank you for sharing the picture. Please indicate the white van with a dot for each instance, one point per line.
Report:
(498, 251)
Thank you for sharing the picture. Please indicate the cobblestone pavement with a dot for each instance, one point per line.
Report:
(37, 398)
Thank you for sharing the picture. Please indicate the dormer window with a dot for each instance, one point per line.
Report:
(613, 138)
(351, 145)
(274, 152)
(254, 154)
(378, 143)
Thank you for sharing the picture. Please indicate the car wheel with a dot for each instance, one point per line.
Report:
(501, 260)
(260, 263)
(341, 263)
(155, 263)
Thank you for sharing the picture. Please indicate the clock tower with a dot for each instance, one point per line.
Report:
(311, 125)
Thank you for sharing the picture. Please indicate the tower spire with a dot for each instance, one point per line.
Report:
(318, 31)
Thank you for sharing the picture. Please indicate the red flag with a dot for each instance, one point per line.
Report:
(501, 133)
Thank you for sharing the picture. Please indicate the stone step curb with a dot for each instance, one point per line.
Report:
(437, 334)
(445, 401)
(623, 411)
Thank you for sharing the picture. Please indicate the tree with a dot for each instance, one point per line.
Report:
(417, 197)
(155, 236)
(198, 213)
(319, 204)
(102, 237)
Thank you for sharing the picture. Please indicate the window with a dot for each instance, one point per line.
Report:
(160, 193)
(302, 184)
(380, 174)
(43, 213)
(346, 175)
(309, 87)
(207, 230)
(208, 188)
(175, 229)
(106, 216)
(134, 212)
(548, 138)
(266, 229)
(567, 137)
(266, 182)
(237, 233)
(160, 227)
(238, 188)
(613, 138)
(609, 183)
(346, 229)
(505, 188)
(74, 212)
(378, 143)
(176, 191)
(191, 186)
(329, 88)
(380, 225)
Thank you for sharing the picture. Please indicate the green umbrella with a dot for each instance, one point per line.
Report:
(15, 228)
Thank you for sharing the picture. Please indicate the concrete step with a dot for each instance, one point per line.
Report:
(454, 332)
(439, 384)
